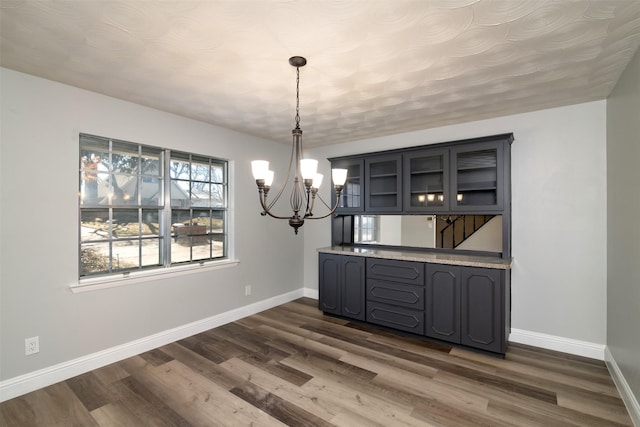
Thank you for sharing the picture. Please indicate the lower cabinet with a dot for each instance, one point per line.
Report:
(484, 309)
(457, 304)
(395, 294)
(467, 305)
(443, 302)
(341, 286)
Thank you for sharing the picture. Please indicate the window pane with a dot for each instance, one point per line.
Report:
(181, 218)
(200, 194)
(218, 246)
(126, 254)
(125, 224)
(94, 258)
(200, 169)
(217, 222)
(179, 166)
(152, 162)
(218, 196)
(152, 191)
(92, 143)
(217, 173)
(91, 167)
(150, 223)
(180, 236)
(201, 222)
(180, 194)
(151, 252)
(201, 248)
(94, 224)
(124, 158)
(180, 251)
(121, 189)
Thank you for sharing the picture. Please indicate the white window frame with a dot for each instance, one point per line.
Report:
(166, 234)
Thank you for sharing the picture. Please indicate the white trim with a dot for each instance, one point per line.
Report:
(630, 401)
(552, 342)
(96, 283)
(310, 293)
(23, 384)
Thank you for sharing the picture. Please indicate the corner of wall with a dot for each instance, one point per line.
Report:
(623, 387)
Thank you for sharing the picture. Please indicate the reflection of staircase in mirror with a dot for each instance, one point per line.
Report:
(452, 230)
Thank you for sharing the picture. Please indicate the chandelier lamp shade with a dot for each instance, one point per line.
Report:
(306, 180)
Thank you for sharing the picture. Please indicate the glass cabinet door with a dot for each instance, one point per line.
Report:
(384, 182)
(426, 181)
(351, 197)
(477, 178)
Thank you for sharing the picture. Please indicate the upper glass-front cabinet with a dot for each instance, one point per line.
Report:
(456, 177)
(477, 177)
(352, 195)
(383, 183)
(426, 181)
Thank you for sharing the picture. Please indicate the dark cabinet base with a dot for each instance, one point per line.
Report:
(457, 305)
(404, 319)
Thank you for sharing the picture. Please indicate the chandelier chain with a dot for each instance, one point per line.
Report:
(297, 97)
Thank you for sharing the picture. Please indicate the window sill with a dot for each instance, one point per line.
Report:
(97, 283)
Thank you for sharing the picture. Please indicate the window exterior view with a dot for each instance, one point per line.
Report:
(145, 207)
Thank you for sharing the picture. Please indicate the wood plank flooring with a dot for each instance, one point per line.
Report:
(292, 365)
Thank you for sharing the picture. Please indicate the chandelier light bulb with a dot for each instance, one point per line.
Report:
(317, 181)
(268, 179)
(308, 168)
(259, 168)
(339, 176)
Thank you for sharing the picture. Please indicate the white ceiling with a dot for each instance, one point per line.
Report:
(375, 67)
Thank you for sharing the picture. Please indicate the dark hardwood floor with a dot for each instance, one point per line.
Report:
(292, 365)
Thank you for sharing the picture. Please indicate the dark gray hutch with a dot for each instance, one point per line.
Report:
(421, 242)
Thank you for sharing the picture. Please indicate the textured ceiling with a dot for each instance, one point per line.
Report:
(374, 68)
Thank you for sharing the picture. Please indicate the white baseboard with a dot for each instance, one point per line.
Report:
(32, 381)
(310, 293)
(623, 387)
(552, 342)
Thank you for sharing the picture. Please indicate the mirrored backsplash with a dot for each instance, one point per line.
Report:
(465, 232)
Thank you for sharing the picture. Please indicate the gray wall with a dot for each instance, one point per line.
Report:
(559, 214)
(623, 224)
(41, 121)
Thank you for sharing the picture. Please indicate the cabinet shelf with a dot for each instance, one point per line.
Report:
(431, 191)
(477, 186)
(475, 168)
(471, 190)
(383, 193)
(384, 175)
(427, 171)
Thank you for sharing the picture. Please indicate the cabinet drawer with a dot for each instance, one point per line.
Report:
(404, 319)
(410, 296)
(396, 271)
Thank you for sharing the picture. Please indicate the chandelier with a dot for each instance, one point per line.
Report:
(306, 180)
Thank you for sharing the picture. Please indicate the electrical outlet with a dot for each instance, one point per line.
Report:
(31, 345)
(247, 290)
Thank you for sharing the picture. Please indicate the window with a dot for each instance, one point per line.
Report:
(144, 207)
(365, 228)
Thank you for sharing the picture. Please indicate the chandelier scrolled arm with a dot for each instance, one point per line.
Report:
(306, 180)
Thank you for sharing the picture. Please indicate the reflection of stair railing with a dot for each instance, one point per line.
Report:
(458, 228)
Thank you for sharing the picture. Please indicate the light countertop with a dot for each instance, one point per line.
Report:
(430, 257)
